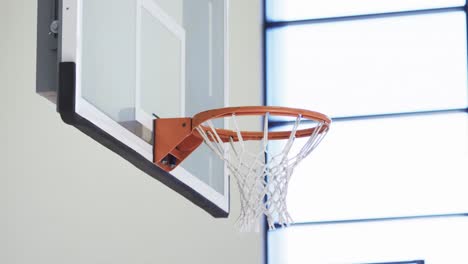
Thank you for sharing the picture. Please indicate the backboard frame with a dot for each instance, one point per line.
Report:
(75, 111)
(177, 31)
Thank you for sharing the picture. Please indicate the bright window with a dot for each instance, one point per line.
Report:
(281, 10)
(392, 173)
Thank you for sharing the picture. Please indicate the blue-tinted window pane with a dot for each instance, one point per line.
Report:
(281, 10)
(435, 240)
(389, 167)
(370, 66)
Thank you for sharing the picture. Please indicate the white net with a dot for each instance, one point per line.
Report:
(262, 176)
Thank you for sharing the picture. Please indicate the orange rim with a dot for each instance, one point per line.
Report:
(227, 135)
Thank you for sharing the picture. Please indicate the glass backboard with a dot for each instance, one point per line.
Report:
(126, 62)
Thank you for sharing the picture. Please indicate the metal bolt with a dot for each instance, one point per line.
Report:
(54, 27)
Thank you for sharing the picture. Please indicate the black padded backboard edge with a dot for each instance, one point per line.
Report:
(66, 109)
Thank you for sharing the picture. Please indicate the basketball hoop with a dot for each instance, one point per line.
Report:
(262, 175)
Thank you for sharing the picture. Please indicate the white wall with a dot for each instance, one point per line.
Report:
(66, 199)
